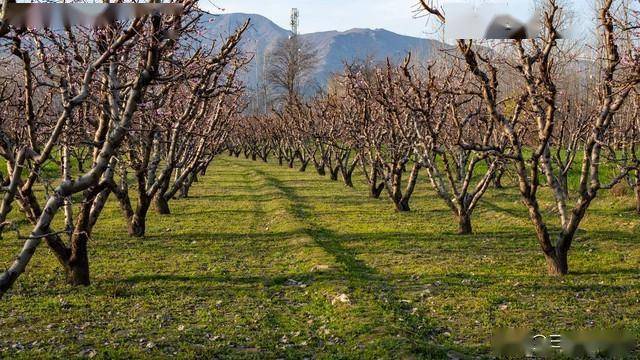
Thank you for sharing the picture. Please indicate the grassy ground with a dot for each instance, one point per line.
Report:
(267, 262)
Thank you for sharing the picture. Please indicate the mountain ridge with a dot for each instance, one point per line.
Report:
(334, 47)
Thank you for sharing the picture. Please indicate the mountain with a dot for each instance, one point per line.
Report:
(334, 47)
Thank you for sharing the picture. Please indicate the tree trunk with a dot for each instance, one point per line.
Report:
(184, 189)
(78, 272)
(137, 225)
(320, 169)
(31, 207)
(375, 190)
(303, 167)
(162, 205)
(78, 269)
(280, 162)
(638, 192)
(497, 179)
(347, 178)
(333, 174)
(464, 224)
(557, 263)
(403, 205)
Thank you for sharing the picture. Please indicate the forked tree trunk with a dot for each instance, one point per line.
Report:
(401, 200)
(333, 173)
(347, 171)
(403, 205)
(264, 155)
(375, 190)
(303, 166)
(347, 178)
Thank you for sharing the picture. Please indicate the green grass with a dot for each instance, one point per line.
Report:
(252, 264)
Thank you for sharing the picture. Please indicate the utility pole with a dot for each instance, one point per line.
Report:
(295, 21)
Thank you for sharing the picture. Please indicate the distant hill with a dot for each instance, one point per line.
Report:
(333, 47)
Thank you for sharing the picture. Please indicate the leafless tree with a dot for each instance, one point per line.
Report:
(538, 63)
(101, 76)
(289, 69)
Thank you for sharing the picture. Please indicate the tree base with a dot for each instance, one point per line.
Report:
(464, 225)
(557, 265)
(162, 206)
(78, 275)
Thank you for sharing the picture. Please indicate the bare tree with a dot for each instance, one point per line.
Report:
(102, 74)
(537, 65)
(289, 69)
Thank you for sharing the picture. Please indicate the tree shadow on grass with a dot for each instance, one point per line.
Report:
(520, 213)
(419, 330)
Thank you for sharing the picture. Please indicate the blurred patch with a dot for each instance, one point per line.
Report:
(494, 19)
(594, 344)
(62, 16)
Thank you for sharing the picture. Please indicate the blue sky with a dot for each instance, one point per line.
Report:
(324, 15)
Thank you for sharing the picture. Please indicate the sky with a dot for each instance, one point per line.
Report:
(325, 15)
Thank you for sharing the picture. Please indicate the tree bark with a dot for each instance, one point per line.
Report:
(464, 224)
(497, 179)
(638, 191)
(557, 262)
(162, 205)
(375, 190)
(403, 205)
(304, 165)
(137, 225)
(333, 173)
(78, 273)
(347, 178)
